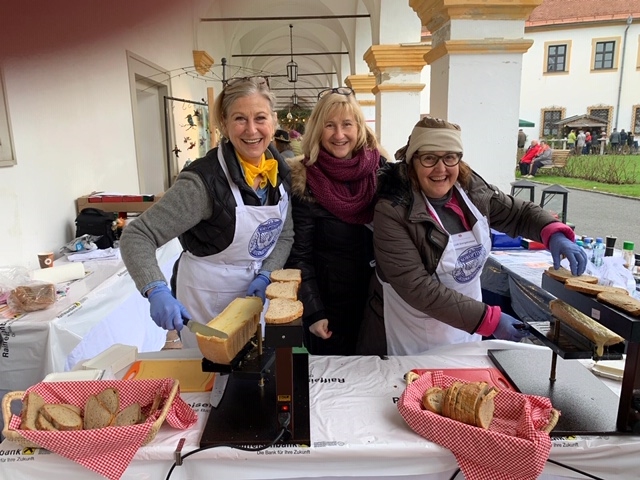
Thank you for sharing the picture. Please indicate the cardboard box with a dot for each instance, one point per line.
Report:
(119, 205)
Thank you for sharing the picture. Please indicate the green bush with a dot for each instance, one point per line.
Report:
(612, 169)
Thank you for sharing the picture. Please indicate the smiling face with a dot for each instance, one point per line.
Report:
(340, 134)
(250, 126)
(436, 181)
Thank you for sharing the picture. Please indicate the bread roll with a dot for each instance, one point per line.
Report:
(239, 320)
(31, 298)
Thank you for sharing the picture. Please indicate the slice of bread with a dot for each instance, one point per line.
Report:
(282, 290)
(239, 320)
(624, 302)
(96, 414)
(128, 416)
(61, 417)
(110, 399)
(432, 399)
(594, 289)
(287, 275)
(31, 406)
(485, 408)
(562, 274)
(75, 408)
(43, 424)
(282, 310)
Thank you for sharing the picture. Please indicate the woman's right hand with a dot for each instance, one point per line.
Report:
(321, 329)
(166, 311)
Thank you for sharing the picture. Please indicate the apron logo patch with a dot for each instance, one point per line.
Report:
(265, 237)
(469, 263)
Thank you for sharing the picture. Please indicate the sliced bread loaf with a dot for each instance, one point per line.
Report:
(61, 417)
(30, 407)
(96, 414)
(282, 290)
(283, 310)
(128, 416)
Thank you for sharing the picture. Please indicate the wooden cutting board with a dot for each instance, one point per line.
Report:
(188, 372)
(490, 375)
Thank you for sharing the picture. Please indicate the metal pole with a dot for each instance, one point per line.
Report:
(624, 48)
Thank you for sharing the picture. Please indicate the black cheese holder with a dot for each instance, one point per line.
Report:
(587, 405)
(266, 381)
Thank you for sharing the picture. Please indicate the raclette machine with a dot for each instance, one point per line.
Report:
(267, 387)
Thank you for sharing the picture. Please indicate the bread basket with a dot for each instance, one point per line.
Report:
(15, 436)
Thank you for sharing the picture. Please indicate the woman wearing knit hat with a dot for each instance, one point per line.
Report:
(333, 190)
(431, 239)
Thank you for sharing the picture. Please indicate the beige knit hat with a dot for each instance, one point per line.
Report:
(432, 134)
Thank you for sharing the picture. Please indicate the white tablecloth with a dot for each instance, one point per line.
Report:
(356, 431)
(102, 309)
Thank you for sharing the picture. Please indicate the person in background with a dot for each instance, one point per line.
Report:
(432, 237)
(522, 138)
(588, 141)
(527, 158)
(614, 141)
(296, 142)
(231, 212)
(283, 144)
(543, 157)
(581, 140)
(333, 189)
(571, 142)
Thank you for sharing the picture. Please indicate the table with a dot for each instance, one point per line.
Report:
(356, 431)
(102, 309)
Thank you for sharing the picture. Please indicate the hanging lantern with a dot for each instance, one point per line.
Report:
(292, 67)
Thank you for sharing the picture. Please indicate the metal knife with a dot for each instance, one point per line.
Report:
(219, 386)
(196, 327)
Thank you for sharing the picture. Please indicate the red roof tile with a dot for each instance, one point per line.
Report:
(572, 11)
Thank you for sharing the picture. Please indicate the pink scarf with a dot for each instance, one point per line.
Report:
(346, 187)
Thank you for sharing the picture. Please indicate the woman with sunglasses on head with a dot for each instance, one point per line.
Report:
(230, 210)
(333, 189)
(432, 238)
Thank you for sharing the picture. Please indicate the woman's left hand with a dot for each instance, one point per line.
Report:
(561, 245)
(321, 329)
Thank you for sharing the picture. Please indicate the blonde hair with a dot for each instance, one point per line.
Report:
(328, 106)
(239, 89)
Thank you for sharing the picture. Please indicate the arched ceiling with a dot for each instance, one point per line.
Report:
(256, 41)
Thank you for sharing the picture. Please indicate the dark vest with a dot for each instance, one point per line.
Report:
(215, 233)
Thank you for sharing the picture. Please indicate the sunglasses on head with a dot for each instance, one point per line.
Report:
(346, 91)
(260, 81)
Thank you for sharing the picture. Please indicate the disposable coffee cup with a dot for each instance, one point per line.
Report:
(45, 259)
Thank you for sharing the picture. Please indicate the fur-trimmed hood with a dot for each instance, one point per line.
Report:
(394, 183)
(299, 178)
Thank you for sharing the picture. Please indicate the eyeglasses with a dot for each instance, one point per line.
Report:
(346, 91)
(429, 160)
(260, 81)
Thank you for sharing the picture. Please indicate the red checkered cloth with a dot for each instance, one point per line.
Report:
(514, 447)
(107, 451)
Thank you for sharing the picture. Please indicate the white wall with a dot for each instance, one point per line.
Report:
(67, 85)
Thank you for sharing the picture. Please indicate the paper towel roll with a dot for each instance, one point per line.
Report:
(63, 273)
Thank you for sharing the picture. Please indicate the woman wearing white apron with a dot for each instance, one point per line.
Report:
(431, 239)
(230, 210)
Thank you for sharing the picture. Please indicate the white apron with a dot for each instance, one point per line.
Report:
(411, 332)
(206, 285)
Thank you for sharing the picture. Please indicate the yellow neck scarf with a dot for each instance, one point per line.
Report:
(267, 169)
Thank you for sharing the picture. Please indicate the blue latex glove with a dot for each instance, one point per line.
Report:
(561, 245)
(258, 287)
(510, 329)
(166, 311)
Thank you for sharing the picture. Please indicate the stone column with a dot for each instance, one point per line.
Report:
(362, 86)
(397, 91)
(476, 67)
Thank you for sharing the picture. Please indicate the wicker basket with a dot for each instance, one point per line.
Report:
(15, 436)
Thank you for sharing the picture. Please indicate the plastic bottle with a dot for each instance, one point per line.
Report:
(588, 247)
(598, 252)
(627, 254)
